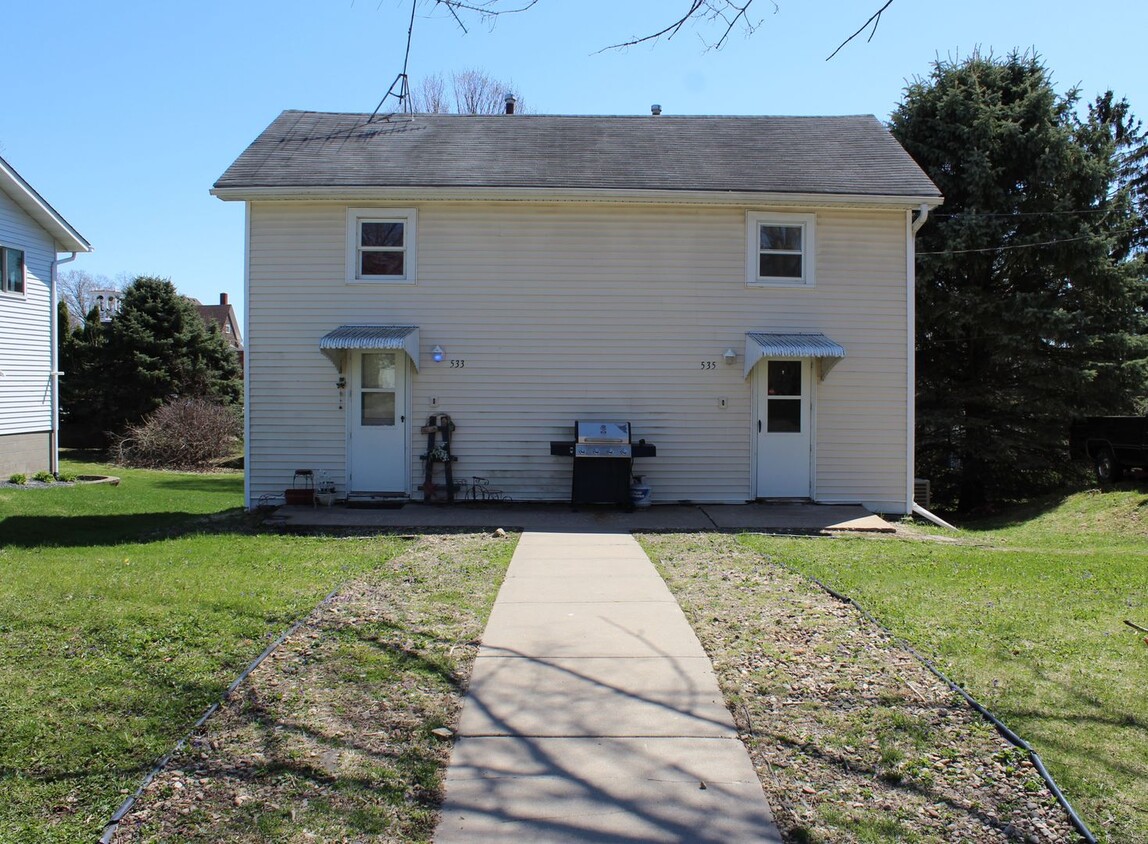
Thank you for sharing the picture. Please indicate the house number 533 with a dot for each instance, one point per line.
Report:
(457, 364)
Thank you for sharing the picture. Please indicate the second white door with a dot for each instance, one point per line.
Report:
(783, 422)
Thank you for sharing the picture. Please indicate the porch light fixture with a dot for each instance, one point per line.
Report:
(437, 354)
(730, 356)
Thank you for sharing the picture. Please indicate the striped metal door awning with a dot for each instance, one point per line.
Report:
(335, 344)
(760, 345)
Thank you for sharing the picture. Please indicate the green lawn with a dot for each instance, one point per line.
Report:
(124, 612)
(1026, 612)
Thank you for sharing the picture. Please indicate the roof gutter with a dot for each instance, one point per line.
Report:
(54, 366)
(541, 194)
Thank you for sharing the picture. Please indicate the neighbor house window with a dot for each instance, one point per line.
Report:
(380, 245)
(12, 269)
(780, 249)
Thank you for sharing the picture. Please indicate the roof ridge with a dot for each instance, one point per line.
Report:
(667, 117)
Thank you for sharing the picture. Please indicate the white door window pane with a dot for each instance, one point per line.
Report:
(378, 409)
(784, 416)
(785, 378)
(379, 371)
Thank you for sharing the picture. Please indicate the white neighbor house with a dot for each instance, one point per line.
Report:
(739, 289)
(32, 236)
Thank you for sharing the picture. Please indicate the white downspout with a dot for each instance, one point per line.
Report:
(248, 503)
(913, 226)
(54, 368)
(921, 219)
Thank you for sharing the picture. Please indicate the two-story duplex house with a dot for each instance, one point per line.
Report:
(738, 289)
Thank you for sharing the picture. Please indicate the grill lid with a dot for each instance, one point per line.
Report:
(586, 431)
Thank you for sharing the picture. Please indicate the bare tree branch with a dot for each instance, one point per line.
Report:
(429, 95)
(875, 19)
(728, 11)
(472, 91)
(78, 290)
(477, 93)
(728, 14)
(486, 8)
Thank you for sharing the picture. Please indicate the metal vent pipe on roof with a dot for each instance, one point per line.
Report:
(510, 101)
(655, 109)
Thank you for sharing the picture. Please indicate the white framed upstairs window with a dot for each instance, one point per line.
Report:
(780, 249)
(381, 245)
(12, 270)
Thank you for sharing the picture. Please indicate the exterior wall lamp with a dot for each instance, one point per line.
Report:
(730, 356)
(437, 354)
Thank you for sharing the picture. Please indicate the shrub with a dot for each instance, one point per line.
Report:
(44, 477)
(183, 434)
(18, 478)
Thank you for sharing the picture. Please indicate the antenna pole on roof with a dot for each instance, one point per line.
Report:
(403, 95)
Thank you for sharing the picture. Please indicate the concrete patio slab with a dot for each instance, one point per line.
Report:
(812, 518)
(645, 696)
(697, 791)
(764, 517)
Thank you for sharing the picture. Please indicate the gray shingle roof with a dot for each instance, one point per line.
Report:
(792, 155)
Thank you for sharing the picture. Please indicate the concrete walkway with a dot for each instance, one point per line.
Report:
(593, 713)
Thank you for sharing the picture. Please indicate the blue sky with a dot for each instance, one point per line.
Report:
(122, 114)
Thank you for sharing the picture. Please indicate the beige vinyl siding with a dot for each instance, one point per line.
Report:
(25, 327)
(567, 311)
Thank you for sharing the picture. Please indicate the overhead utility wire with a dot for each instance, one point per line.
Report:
(1012, 246)
(1007, 214)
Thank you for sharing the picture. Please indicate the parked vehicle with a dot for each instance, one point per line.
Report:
(1114, 444)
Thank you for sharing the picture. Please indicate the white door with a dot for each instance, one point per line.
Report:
(377, 433)
(783, 440)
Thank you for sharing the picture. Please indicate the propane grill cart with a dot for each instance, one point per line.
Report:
(603, 461)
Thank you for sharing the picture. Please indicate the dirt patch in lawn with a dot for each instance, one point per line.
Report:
(853, 739)
(331, 738)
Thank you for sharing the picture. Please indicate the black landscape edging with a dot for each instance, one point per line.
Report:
(125, 807)
(1008, 734)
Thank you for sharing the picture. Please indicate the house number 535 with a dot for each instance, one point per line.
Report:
(709, 364)
(457, 364)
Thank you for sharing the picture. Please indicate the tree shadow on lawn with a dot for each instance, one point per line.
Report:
(1065, 727)
(84, 531)
(1017, 514)
(216, 484)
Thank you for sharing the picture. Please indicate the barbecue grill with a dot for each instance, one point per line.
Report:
(603, 460)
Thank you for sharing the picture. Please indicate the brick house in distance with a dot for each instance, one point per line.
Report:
(224, 316)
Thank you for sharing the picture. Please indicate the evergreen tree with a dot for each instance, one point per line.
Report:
(156, 349)
(1030, 279)
(82, 394)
